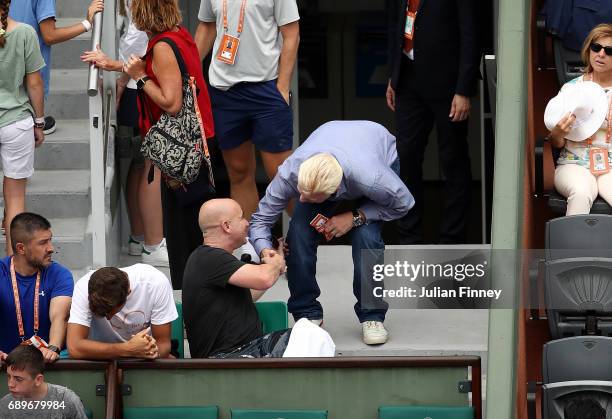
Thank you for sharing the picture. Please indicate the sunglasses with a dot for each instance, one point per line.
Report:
(595, 47)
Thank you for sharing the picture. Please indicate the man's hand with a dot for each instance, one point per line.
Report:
(460, 108)
(390, 97)
(142, 345)
(2, 357)
(275, 260)
(39, 136)
(340, 224)
(94, 7)
(49, 355)
(284, 91)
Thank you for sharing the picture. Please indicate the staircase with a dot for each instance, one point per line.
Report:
(60, 187)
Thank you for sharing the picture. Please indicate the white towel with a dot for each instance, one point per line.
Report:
(309, 340)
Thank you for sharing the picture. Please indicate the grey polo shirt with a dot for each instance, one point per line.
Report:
(260, 42)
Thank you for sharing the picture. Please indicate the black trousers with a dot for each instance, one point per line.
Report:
(415, 117)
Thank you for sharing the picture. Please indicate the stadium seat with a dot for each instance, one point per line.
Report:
(577, 273)
(187, 412)
(588, 375)
(278, 414)
(420, 412)
(177, 337)
(273, 315)
(88, 413)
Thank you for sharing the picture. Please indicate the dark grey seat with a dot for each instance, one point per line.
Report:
(577, 274)
(576, 367)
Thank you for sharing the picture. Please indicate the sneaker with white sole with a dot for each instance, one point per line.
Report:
(134, 247)
(157, 257)
(50, 125)
(374, 333)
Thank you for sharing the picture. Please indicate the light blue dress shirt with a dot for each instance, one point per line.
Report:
(365, 151)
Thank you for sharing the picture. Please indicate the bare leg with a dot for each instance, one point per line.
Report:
(149, 198)
(14, 204)
(241, 164)
(132, 198)
(271, 161)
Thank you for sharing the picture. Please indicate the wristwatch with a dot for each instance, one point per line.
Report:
(140, 83)
(54, 349)
(39, 122)
(357, 218)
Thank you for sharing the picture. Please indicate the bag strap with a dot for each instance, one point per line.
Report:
(177, 55)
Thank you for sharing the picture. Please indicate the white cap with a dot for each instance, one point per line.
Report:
(587, 101)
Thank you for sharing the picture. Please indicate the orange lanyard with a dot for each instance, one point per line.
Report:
(18, 304)
(240, 22)
(609, 129)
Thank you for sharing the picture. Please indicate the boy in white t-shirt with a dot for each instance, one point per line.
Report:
(119, 313)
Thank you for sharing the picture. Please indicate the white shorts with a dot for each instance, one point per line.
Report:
(17, 149)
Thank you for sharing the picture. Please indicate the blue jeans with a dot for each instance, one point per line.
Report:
(303, 241)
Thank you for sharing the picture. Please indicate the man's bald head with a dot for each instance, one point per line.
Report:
(216, 211)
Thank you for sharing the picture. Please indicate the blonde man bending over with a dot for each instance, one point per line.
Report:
(341, 161)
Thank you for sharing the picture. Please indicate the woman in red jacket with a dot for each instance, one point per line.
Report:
(159, 76)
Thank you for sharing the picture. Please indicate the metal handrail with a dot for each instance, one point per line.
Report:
(94, 72)
(100, 90)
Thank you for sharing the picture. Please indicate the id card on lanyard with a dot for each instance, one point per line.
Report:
(35, 339)
(228, 49)
(599, 156)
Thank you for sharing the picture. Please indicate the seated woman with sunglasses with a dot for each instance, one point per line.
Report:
(576, 177)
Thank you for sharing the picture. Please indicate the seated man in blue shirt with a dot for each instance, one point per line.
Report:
(340, 161)
(42, 287)
(40, 14)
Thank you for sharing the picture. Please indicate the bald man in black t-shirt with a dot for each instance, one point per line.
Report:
(219, 290)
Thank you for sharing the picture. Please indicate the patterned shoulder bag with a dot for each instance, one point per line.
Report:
(176, 144)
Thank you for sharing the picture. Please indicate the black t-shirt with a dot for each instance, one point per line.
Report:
(219, 317)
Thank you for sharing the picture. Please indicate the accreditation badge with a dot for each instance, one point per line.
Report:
(228, 49)
(36, 341)
(409, 29)
(598, 158)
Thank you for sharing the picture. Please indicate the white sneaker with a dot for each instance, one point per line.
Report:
(374, 333)
(134, 247)
(157, 257)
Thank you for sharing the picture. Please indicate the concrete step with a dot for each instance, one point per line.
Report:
(58, 193)
(66, 55)
(68, 96)
(65, 149)
(71, 241)
(71, 8)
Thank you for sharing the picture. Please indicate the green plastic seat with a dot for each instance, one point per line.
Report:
(278, 414)
(273, 315)
(421, 412)
(177, 331)
(187, 412)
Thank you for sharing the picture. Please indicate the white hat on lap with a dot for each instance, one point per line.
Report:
(587, 100)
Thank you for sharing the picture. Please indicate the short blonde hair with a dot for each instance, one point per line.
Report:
(156, 16)
(320, 173)
(603, 30)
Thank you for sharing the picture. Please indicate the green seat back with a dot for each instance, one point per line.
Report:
(278, 414)
(177, 331)
(422, 412)
(88, 413)
(273, 315)
(187, 412)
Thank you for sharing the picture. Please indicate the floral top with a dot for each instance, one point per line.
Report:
(577, 152)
